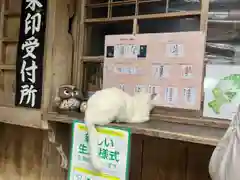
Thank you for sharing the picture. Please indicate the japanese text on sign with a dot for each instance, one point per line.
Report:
(113, 149)
(30, 54)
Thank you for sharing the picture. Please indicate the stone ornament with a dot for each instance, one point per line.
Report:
(68, 98)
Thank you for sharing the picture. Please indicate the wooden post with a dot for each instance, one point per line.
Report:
(204, 15)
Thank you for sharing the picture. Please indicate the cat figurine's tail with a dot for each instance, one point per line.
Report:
(93, 145)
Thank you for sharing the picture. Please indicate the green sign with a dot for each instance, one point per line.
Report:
(113, 150)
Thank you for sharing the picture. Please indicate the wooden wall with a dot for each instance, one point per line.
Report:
(174, 160)
(26, 154)
(20, 152)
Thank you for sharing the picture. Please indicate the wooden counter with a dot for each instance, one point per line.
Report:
(207, 132)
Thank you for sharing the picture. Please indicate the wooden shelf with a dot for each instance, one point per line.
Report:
(201, 131)
(22, 116)
(201, 121)
(147, 16)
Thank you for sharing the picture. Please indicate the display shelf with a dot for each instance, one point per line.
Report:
(201, 131)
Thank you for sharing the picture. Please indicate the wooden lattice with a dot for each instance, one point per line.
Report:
(9, 31)
(103, 17)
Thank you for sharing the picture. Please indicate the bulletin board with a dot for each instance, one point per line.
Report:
(168, 64)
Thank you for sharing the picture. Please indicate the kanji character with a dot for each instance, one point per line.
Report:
(82, 149)
(103, 153)
(30, 45)
(106, 143)
(33, 22)
(33, 3)
(28, 91)
(114, 156)
(30, 71)
(86, 137)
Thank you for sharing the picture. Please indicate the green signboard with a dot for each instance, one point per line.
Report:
(113, 150)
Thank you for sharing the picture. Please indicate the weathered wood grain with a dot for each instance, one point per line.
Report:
(20, 152)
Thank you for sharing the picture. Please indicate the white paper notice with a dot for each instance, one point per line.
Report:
(140, 88)
(126, 51)
(189, 95)
(160, 71)
(171, 94)
(153, 89)
(187, 71)
(174, 50)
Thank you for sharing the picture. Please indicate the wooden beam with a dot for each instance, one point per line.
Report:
(12, 14)
(79, 39)
(7, 67)
(21, 116)
(49, 56)
(58, 51)
(97, 59)
(147, 16)
(76, 40)
(120, 3)
(2, 9)
(9, 40)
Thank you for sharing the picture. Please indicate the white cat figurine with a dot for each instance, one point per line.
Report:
(113, 104)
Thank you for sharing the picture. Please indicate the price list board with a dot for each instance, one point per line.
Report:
(168, 64)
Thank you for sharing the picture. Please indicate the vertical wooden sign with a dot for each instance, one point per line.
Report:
(29, 64)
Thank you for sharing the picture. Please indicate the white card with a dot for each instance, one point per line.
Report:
(126, 70)
(140, 88)
(186, 71)
(189, 95)
(153, 89)
(174, 50)
(160, 71)
(118, 51)
(171, 94)
(126, 51)
(131, 51)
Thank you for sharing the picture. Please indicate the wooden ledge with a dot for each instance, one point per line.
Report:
(21, 116)
(176, 131)
(200, 121)
(183, 131)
